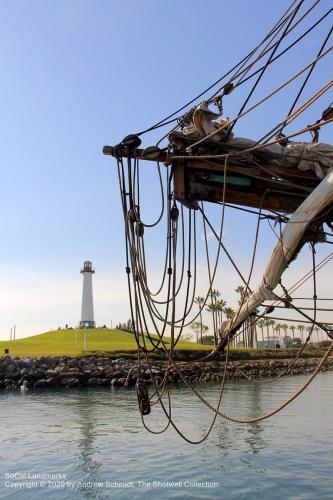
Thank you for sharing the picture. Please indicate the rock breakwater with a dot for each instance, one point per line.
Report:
(95, 371)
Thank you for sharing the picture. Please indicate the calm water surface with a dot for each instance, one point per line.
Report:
(95, 438)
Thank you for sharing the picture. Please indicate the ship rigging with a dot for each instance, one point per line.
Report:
(280, 179)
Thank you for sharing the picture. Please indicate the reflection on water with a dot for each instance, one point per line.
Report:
(86, 417)
(96, 437)
(255, 437)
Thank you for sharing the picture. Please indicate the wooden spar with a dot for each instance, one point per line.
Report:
(270, 187)
(321, 197)
(121, 151)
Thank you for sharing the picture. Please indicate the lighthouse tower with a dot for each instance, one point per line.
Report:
(87, 308)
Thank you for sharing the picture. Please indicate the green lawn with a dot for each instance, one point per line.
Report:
(70, 342)
(104, 340)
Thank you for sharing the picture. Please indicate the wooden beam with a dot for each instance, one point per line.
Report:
(121, 151)
(276, 171)
(179, 181)
(266, 198)
(272, 187)
(234, 164)
(246, 186)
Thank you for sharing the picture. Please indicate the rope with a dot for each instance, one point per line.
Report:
(161, 306)
(263, 70)
(198, 96)
(306, 79)
(261, 101)
(254, 148)
(283, 51)
(293, 43)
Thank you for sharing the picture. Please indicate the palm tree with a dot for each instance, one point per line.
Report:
(196, 327)
(284, 327)
(277, 329)
(267, 324)
(247, 332)
(261, 323)
(271, 323)
(229, 314)
(317, 332)
(212, 309)
(200, 301)
(242, 293)
(309, 329)
(220, 304)
(216, 308)
(300, 328)
(292, 328)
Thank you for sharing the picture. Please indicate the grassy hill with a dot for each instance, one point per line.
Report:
(104, 340)
(70, 343)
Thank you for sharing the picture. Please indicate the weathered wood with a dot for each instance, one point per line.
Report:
(121, 151)
(272, 200)
(179, 181)
(165, 157)
(275, 171)
(246, 186)
(316, 202)
(272, 188)
(199, 179)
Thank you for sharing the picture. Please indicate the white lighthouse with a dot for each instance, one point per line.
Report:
(87, 309)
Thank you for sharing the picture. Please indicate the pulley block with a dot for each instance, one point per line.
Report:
(131, 141)
(132, 216)
(327, 114)
(174, 213)
(151, 153)
(143, 397)
(139, 229)
(228, 88)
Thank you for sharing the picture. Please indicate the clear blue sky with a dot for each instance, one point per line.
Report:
(78, 74)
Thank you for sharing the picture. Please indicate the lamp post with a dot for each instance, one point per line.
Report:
(84, 341)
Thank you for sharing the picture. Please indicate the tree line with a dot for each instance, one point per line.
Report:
(253, 330)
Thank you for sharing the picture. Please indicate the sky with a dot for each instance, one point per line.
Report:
(79, 74)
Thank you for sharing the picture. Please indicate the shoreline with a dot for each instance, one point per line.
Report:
(95, 371)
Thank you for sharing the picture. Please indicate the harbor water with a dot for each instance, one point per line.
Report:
(91, 443)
